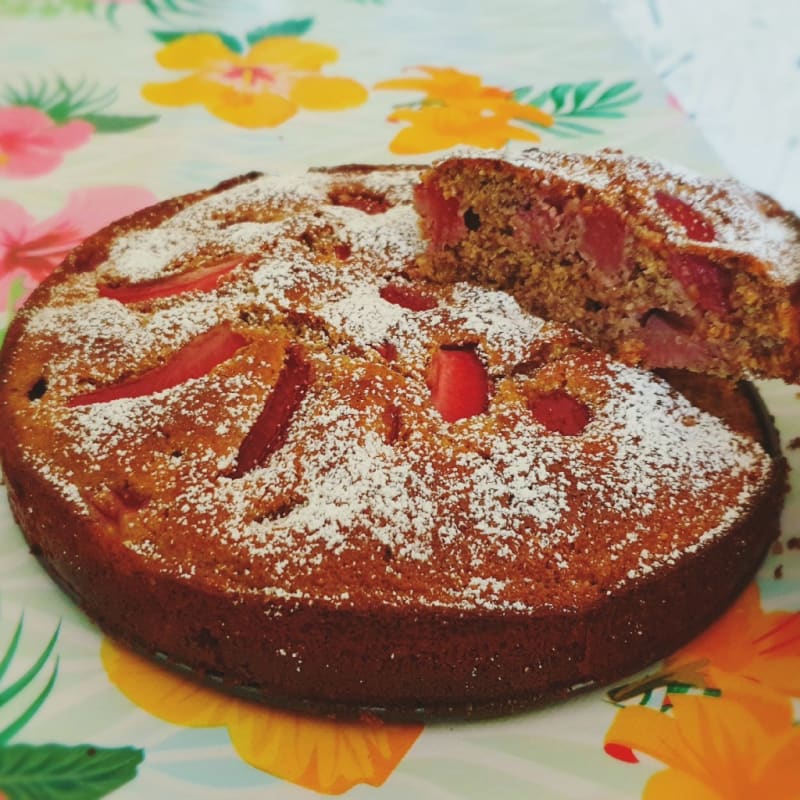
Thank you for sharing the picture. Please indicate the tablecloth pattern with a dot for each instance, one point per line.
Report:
(106, 106)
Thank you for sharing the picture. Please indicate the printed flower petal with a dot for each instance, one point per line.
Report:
(289, 51)
(38, 247)
(260, 89)
(195, 51)
(317, 93)
(734, 748)
(184, 92)
(15, 222)
(670, 784)
(439, 127)
(68, 136)
(88, 210)
(761, 647)
(161, 693)
(320, 754)
(248, 110)
(31, 144)
(23, 118)
(446, 84)
(417, 140)
(329, 756)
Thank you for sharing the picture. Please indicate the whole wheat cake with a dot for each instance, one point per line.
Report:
(656, 265)
(249, 444)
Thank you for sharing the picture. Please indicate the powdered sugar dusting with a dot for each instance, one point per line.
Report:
(747, 224)
(371, 492)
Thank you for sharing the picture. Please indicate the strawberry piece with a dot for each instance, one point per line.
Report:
(668, 342)
(538, 226)
(387, 350)
(697, 227)
(202, 279)
(445, 224)
(621, 752)
(342, 251)
(560, 412)
(604, 239)
(193, 360)
(708, 284)
(272, 425)
(458, 383)
(391, 423)
(360, 198)
(408, 297)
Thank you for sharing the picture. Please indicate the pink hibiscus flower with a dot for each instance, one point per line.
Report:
(32, 144)
(30, 250)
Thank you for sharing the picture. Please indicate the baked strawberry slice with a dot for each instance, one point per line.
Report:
(560, 412)
(202, 279)
(458, 383)
(407, 297)
(387, 350)
(670, 341)
(604, 239)
(708, 284)
(697, 227)
(445, 226)
(272, 425)
(193, 360)
(342, 251)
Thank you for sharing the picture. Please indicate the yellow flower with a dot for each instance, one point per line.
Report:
(715, 748)
(259, 89)
(459, 110)
(439, 127)
(324, 755)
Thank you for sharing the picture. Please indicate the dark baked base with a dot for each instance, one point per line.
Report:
(431, 664)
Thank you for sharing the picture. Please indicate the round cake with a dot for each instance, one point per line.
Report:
(249, 443)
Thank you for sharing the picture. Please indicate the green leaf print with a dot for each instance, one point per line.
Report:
(63, 102)
(60, 772)
(11, 691)
(160, 8)
(289, 27)
(108, 8)
(104, 123)
(571, 104)
(231, 42)
(43, 8)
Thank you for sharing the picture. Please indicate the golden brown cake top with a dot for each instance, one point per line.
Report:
(577, 476)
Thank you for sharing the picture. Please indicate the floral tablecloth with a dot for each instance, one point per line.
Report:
(107, 105)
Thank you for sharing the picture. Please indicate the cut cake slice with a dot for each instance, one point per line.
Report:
(658, 267)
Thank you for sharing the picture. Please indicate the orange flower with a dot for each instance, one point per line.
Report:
(447, 85)
(750, 645)
(715, 748)
(324, 755)
(459, 110)
(261, 88)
